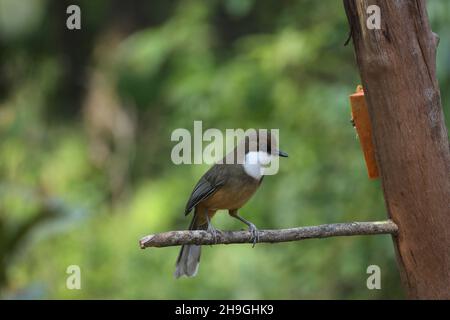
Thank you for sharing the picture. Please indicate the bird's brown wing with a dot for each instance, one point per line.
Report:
(211, 181)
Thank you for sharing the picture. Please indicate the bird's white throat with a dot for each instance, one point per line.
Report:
(254, 163)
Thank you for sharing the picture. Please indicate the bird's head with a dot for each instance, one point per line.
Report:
(262, 146)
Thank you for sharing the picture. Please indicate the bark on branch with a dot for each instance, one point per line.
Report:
(200, 237)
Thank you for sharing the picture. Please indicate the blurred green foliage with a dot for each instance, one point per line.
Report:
(85, 124)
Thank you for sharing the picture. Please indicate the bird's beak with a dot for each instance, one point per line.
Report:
(282, 154)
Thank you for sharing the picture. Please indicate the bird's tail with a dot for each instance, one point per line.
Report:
(189, 256)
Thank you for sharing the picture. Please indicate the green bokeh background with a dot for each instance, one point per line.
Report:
(85, 124)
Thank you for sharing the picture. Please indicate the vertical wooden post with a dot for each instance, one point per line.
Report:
(398, 72)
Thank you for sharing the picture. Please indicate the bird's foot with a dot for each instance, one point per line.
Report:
(213, 231)
(255, 234)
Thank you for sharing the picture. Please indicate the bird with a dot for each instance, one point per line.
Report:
(227, 185)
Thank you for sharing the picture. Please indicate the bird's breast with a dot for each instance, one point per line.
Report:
(235, 192)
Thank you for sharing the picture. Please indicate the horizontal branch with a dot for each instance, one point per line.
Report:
(201, 237)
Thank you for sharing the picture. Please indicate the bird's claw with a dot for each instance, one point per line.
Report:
(255, 234)
(213, 231)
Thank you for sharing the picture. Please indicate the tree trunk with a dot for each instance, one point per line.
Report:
(398, 72)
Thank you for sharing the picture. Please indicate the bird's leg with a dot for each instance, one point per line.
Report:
(211, 229)
(251, 227)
